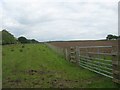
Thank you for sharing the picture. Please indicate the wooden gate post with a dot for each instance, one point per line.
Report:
(116, 67)
(72, 54)
(77, 55)
(66, 54)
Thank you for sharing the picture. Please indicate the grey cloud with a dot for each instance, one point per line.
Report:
(60, 20)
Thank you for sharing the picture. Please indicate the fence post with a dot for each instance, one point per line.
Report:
(77, 55)
(72, 54)
(116, 68)
(66, 54)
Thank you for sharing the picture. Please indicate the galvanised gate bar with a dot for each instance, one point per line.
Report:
(100, 59)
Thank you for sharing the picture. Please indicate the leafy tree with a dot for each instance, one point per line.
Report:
(8, 38)
(112, 37)
(22, 40)
(115, 37)
(109, 37)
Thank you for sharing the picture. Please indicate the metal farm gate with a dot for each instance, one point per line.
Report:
(100, 59)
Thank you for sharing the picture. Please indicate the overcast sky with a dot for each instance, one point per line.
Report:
(46, 20)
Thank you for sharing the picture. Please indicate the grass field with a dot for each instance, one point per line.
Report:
(37, 66)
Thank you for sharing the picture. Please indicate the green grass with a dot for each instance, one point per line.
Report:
(37, 66)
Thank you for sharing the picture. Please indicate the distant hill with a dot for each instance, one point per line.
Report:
(8, 38)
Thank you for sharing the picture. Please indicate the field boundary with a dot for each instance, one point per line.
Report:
(89, 57)
(108, 68)
(56, 49)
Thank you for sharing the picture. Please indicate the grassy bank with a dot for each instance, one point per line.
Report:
(37, 66)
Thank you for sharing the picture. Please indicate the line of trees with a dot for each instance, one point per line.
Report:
(8, 38)
(112, 37)
(25, 40)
